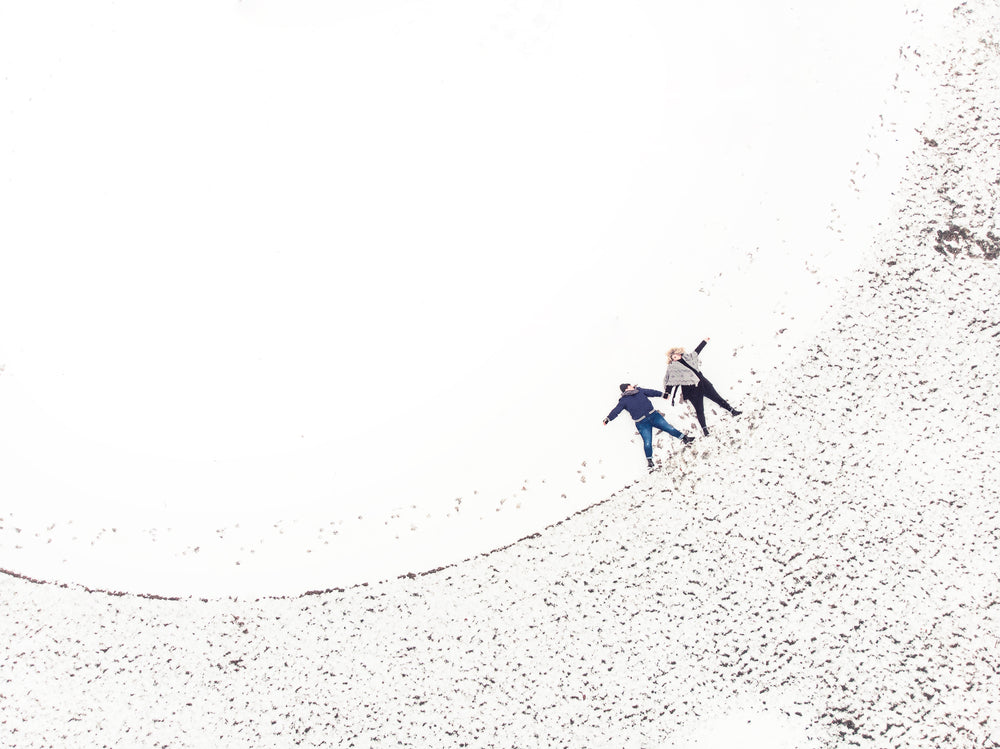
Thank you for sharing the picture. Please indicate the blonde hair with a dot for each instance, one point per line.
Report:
(674, 350)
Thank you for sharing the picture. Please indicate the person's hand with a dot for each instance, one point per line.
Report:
(605, 422)
(707, 338)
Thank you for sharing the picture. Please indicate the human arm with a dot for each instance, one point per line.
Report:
(700, 346)
(650, 393)
(614, 412)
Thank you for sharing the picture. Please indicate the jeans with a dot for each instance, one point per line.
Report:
(654, 421)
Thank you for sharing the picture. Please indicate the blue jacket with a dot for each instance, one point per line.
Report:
(637, 403)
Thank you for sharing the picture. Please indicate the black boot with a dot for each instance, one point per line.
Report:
(649, 463)
(687, 439)
(734, 412)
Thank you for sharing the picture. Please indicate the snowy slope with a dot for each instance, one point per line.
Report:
(822, 572)
(316, 303)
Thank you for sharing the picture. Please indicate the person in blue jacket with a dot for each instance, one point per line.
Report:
(636, 401)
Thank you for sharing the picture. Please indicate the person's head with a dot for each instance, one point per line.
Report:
(625, 386)
(675, 354)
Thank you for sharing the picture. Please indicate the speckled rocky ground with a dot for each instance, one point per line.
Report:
(832, 556)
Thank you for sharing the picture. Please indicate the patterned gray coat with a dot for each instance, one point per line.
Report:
(678, 374)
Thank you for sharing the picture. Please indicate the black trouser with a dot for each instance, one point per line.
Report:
(696, 394)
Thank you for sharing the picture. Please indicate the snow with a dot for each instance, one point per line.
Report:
(329, 296)
(818, 572)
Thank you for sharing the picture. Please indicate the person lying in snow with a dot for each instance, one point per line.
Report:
(636, 401)
(684, 372)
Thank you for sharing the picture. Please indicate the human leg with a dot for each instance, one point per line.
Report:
(646, 432)
(657, 421)
(693, 395)
(709, 391)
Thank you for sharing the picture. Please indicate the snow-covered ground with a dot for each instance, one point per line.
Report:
(820, 572)
(299, 297)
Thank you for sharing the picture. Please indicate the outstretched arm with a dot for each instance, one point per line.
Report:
(700, 346)
(614, 412)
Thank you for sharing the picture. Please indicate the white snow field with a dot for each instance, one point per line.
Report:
(298, 297)
(821, 572)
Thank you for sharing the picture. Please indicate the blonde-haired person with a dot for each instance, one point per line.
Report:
(684, 372)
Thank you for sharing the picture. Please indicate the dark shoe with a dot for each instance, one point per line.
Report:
(649, 464)
(687, 439)
(734, 412)
(705, 431)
